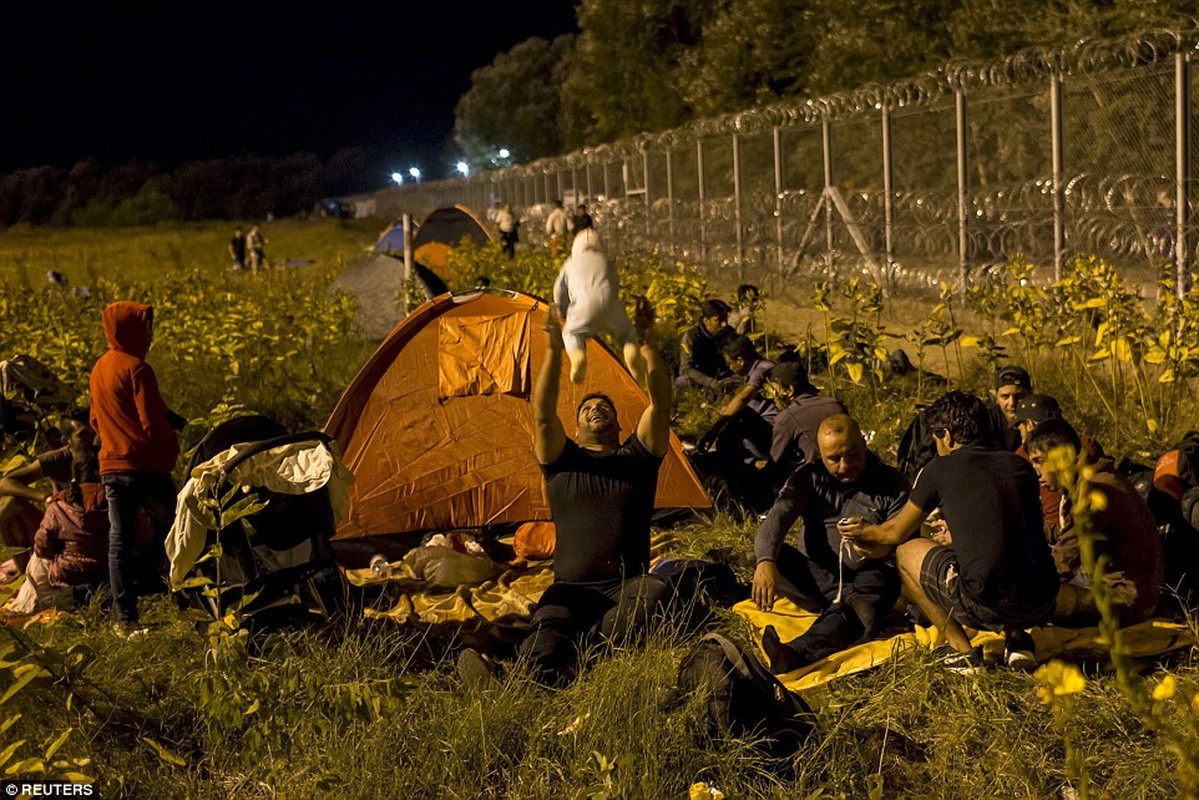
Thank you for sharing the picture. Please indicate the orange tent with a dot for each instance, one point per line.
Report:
(438, 429)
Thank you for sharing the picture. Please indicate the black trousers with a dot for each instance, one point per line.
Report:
(867, 594)
(574, 615)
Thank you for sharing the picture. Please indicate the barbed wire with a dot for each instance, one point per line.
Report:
(1110, 202)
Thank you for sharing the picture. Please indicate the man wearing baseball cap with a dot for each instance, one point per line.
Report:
(1012, 384)
(1031, 411)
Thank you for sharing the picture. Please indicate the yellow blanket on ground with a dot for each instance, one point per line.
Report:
(512, 594)
(1146, 639)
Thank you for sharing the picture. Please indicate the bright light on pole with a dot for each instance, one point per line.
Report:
(464, 168)
(398, 178)
(415, 173)
(504, 152)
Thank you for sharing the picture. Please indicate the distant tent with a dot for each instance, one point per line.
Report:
(437, 427)
(436, 236)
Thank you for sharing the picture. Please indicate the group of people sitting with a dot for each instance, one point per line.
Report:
(1000, 548)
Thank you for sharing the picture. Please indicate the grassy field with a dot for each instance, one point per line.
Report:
(370, 709)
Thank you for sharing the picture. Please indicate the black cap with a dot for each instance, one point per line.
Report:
(1037, 408)
(790, 373)
(1012, 376)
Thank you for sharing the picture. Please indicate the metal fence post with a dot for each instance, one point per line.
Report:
(406, 226)
(699, 171)
(888, 200)
(826, 135)
(1059, 200)
(1182, 170)
(737, 207)
(778, 194)
(959, 95)
(670, 196)
(590, 194)
(645, 185)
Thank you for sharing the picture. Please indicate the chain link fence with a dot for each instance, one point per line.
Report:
(1042, 155)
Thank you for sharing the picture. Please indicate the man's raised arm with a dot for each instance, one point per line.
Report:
(653, 429)
(549, 437)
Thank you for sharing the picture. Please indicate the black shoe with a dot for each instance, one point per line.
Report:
(968, 663)
(782, 658)
(476, 670)
(1019, 651)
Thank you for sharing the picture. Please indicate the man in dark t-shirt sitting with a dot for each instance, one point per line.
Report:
(994, 570)
(601, 497)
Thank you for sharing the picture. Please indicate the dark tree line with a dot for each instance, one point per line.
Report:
(641, 66)
(140, 192)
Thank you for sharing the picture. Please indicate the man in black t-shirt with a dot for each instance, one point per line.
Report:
(601, 497)
(993, 569)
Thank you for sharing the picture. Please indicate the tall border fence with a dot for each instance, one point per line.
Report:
(1040, 155)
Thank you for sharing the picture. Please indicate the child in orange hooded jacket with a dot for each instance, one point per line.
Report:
(138, 449)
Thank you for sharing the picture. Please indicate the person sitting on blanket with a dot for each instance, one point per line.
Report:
(852, 591)
(22, 491)
(1124, 527)
(601, 497)
(995, 570)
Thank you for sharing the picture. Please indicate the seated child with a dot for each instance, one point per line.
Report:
(586, 296)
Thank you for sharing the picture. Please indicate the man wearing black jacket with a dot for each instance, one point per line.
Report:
(852, 591)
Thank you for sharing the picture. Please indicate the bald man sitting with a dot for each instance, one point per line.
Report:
(852, 591)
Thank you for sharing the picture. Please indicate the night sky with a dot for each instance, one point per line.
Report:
(165, 80)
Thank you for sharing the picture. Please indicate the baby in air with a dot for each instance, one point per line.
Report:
(586, 295)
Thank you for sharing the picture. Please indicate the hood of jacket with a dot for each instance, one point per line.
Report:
(127, 327)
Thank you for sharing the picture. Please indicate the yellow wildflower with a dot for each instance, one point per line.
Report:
(1058, 679)
(1165, 689)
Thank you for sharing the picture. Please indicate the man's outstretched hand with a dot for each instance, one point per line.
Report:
(643, 316)
(553, 331)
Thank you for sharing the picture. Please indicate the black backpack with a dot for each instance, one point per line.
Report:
(743, 698)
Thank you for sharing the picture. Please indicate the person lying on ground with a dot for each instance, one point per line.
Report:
(601, 497)
(852, 591)
(793, 437)
(701, 361)
(997, 571)
(1124, 530)
(23, 491)
(1030, 412)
